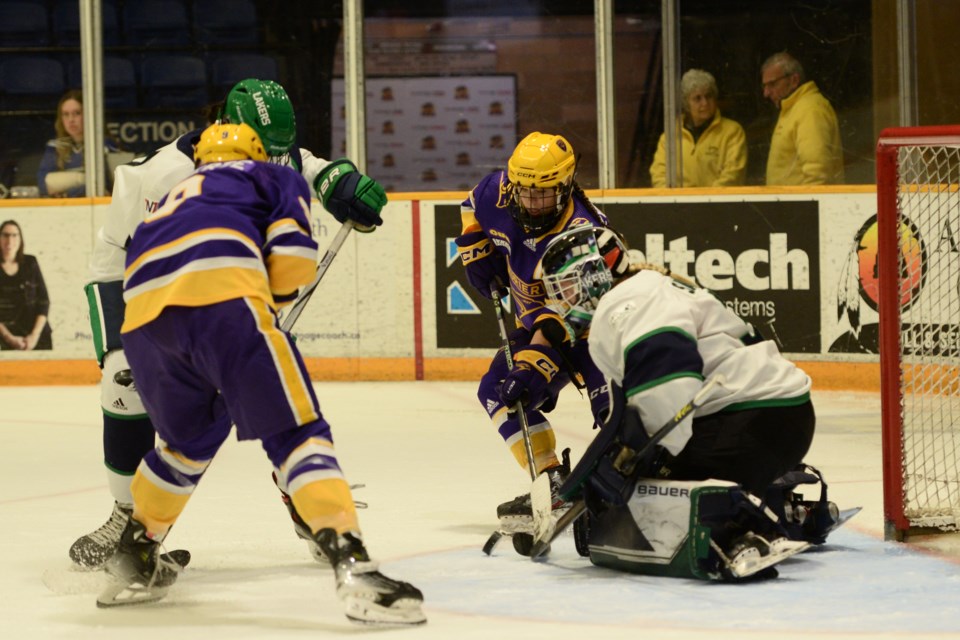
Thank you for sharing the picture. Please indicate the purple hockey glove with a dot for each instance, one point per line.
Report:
(534, 367)
(484, 266)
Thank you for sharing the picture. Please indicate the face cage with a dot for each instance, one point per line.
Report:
(575, 293)
(545, 221)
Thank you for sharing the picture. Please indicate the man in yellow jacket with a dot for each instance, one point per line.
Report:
(714, 147)
(806, 147)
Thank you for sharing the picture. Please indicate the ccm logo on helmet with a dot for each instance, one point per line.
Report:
(261, 108)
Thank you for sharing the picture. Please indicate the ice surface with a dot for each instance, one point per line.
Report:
(433, 471)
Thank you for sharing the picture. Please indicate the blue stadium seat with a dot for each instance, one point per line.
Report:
(226, 70)
(119, 81)
(156, 23)
(24, 24)
(65, 18)
(173, 81)
(226, 22)
(30, 82)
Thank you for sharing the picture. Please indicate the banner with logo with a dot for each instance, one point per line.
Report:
(761, 258)
(433, 133)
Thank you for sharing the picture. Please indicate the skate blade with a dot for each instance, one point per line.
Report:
(403, 613)
(755, 564)
(119, 594)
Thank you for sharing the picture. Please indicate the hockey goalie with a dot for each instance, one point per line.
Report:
(696, 467)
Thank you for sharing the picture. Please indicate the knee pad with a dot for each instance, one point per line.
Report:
(118, 392)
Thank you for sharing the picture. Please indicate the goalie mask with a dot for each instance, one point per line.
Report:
(224, 142)
(264, 106)
(541, 172)
(575, 275)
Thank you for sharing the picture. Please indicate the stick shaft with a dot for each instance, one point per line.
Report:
(297, 307)
(518, 408)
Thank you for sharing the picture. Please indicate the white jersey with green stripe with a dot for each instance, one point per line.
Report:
(659, 340)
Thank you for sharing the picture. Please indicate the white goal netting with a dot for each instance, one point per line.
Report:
(928, 239)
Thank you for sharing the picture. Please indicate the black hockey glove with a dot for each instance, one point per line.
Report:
(534, 368)
(351, 195)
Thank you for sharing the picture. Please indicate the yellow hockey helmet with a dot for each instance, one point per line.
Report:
(541, 173)
(223, 142)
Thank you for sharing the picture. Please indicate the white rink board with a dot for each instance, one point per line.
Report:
(364, 308)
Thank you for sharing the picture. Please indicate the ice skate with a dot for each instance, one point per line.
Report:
(370, 597)
(753, 556)
(516, 516)
(300, 527)
(91, 551)
(95, 548)
(137, 573)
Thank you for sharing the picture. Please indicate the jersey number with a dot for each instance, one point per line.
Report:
(189, 188)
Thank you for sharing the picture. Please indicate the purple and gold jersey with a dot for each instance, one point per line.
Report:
(230, 230)
(486, 209)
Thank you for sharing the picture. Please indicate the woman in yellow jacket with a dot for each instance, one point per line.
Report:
(714, 147)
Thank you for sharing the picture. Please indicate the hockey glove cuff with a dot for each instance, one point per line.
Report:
(485, 267)
(350, 195)
(534, 368)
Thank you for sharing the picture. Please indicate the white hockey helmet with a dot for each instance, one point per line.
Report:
(575, 275)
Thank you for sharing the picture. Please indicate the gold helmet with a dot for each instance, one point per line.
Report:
(541, 172)
(223, 142)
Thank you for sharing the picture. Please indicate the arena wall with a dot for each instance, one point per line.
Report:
(394, 304)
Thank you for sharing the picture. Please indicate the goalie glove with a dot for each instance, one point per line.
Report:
(350, 195)
(534, 368)
(484, 266)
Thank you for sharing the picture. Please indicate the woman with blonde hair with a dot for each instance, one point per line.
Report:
(61, 169)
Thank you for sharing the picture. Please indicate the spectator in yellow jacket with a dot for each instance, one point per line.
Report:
(805, 147)
(714, 147)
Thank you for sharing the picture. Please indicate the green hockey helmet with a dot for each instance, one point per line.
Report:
(265, 106)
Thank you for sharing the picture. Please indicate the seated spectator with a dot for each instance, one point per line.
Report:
(24, 303)
(714, 147)
(61, 171)
(805, 147)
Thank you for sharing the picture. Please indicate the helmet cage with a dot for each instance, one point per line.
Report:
(575, 276)
(549, 204)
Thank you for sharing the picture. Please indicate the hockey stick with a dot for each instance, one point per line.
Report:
(540, 501)
(541, 543)
(297, 307)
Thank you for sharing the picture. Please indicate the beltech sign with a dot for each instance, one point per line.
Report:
(761, 258)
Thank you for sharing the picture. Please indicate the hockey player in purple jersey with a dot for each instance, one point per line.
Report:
(508, 220)
(127, 431)
(205, 275)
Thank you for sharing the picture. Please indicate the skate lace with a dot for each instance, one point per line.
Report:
(110, 532)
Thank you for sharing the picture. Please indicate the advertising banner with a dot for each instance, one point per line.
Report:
(760, 258)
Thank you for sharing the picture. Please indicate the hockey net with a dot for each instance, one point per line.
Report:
(918, 221)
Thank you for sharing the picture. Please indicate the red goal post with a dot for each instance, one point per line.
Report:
(918, 262)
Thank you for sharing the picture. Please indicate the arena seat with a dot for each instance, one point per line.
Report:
(30, 82)
(156, 23)
(226, 22)
(24, 24)
(173, 81)
(227, 70)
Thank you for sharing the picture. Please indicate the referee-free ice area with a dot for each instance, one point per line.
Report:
(431, 471)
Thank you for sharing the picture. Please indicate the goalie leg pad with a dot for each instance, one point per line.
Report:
(688, 529)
